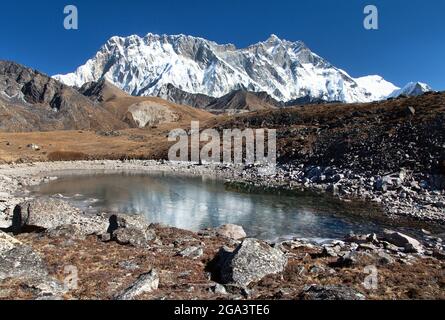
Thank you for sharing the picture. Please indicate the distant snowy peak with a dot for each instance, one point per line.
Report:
(412, 89)
(379, 87)
(285, 70)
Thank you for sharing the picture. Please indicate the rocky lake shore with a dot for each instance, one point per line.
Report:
(52, 250)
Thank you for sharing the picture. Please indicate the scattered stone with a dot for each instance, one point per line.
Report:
(146, 283)
(7, 242)
(316, 269)
(411, 111)
(192, 252)
(129, 265)
(250, 262)
(367, 247)
(331, 251)
(231, 231)
(128, 230)
(33, 146)
(330, 292)
(219, 289)
(385, 259)
(347, 260)
(131, 236)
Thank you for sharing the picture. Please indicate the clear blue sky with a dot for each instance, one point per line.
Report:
(409, 46)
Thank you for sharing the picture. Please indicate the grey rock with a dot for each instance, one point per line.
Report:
(43, 213)
(367, 247)
(316, 269)
(66, 231)
(192, 252)
(132, 236)
(347, 260)
(128, 230)
(231, 231)
(331, 251)
(219, 289)
(250, 262)
(48, 213)
(385, 259)
(146, 283)
(411, 245)
(7, 242)
(129, 265)
(21, 262)
(330, 292)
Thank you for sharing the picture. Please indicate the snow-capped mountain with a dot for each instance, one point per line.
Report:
(285, 70)
(412, 89)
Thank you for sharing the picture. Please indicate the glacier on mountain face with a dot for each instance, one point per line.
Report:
(145, 66)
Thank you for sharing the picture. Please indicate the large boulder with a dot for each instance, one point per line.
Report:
(21, 262)
(43, 213)
(48, 213)
(250, 262)
(402, 240)
(231, 231)
(146, 283)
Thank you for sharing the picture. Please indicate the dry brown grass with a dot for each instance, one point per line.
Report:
(67, 156)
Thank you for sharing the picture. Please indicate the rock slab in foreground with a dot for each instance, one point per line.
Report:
(50, 214)
(146, 283)
(18, 261)
(250, 262)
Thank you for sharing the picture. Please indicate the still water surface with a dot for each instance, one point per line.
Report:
(194, 203)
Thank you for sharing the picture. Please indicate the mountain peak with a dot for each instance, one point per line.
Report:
(285, 70)
(273, 38)
(412, 89)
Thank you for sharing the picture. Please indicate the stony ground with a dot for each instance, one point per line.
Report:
(128, 259)
(105, 269)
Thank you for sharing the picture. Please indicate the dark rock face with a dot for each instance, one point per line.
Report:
(330, 292)
(307, 100)
(242, 101)
(173, 94)
(101, 91)
(250, 262)
(32, 101)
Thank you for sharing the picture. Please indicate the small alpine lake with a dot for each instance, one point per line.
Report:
(195, 203)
